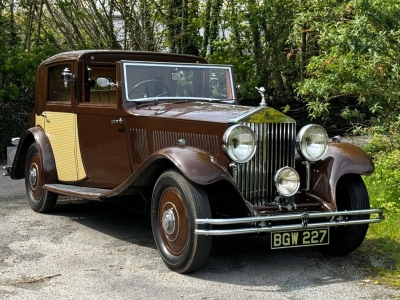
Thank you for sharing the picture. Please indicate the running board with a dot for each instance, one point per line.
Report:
(76, 191)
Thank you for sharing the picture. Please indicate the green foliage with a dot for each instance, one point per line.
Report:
(352, 50)
(384, 134)
(253, 39)
(17, 92)
(384, 184)
(17, 78)
(384, 191)
(319, 50)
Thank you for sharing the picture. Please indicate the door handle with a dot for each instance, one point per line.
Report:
(119, 121)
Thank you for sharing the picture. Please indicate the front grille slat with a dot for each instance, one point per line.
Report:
(264, 160)
(258, 163)
(275, 150)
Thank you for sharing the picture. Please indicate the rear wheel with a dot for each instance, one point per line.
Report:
(351, 194)
(175, 205)
(39, 199)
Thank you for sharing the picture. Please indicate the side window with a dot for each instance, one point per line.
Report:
(103, 95)
(59, 91)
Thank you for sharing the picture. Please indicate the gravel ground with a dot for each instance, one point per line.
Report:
(91, 250)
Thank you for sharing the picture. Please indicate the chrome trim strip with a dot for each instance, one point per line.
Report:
(244, 115)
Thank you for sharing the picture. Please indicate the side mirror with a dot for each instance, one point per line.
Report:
(67, 76)
(103, 82)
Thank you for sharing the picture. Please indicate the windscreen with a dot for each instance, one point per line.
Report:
(149, 81)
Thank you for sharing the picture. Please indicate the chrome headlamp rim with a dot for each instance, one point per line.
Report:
(225, 145)
(300, 138)
(276, 180)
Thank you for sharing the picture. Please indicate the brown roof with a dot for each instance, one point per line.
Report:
(116, 55)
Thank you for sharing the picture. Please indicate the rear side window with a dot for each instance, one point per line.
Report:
(59, 90)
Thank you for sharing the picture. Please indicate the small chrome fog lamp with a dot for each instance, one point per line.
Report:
(287, 181)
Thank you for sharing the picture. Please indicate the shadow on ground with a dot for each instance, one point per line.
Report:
(232, 258)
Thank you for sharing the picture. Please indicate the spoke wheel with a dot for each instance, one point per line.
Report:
(39, 199)
(351, 194)
(176, 203)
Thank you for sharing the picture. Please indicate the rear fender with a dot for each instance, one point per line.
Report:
(35, 134)
(340, 159)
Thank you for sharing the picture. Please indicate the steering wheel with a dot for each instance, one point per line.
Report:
(146, 82)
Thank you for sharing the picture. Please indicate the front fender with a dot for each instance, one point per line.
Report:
(340, 159)
(195, 164)
(48, 167)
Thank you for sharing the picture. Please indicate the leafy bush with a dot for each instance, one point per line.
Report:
(351, 51)
(17, 92)
(385, 135)
(384, 184)
(383, 239)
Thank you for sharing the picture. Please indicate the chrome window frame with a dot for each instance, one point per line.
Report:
(229, 68)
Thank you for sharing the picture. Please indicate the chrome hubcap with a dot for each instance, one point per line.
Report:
(168, 221)
(32, 176)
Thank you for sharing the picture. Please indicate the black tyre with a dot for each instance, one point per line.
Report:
(39, 199)
(351, 194)
(175, 205)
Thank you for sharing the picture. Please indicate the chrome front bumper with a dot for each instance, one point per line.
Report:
(263, 224)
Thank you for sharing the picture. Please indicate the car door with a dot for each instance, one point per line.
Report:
(101, 131)
(59, 121)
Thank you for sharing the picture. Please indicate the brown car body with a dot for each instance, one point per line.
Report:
(100, 146)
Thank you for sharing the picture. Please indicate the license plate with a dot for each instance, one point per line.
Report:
(301, 238)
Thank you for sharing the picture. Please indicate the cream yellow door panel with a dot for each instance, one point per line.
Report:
(62, 131)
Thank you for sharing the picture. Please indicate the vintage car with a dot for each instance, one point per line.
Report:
(165, 131)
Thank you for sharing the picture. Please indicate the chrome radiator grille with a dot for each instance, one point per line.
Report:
(275, 149)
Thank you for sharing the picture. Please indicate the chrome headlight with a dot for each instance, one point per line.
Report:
(312, 142)
(287, 181)
(239, 143)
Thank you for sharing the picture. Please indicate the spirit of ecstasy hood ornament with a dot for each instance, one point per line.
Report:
(261, 90)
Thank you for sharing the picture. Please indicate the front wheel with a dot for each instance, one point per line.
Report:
(175, 204)
(39, 199)
(351, 194)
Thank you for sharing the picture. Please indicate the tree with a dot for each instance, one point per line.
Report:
(353, 51)
(254, 39)
(17, 75)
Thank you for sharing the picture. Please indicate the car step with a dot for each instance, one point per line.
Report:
(76, 191)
